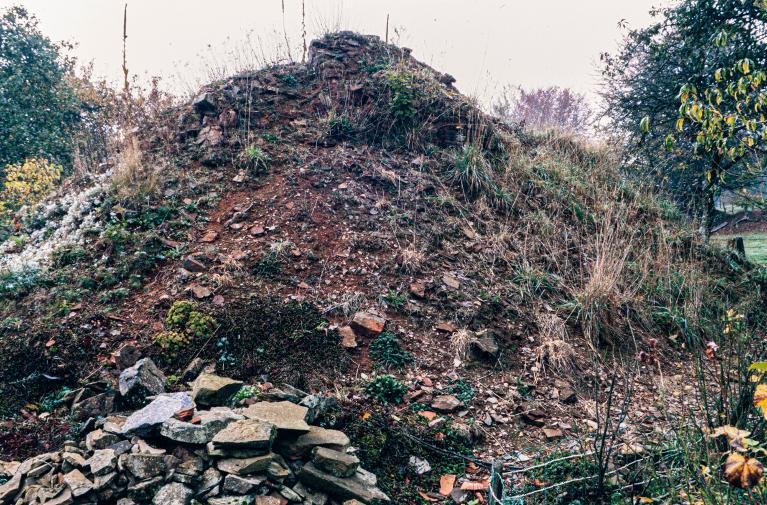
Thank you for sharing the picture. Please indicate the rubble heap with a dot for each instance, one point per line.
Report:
(195, 447)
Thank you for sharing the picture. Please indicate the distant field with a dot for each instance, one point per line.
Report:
(756, 245)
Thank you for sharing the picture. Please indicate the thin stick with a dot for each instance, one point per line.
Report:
(303, 28)
(126, 85)
(387, 28)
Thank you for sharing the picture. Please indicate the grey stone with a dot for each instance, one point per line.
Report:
(73, 459)
(446, 403)
(318, 406)
(157, 412)
(286, 416)
(484, 346)
(341, 488)
(144, 490)
(192, 371)
(97, 405)
(316, 437)
(141, 380)
(245, 466)
(211, 390)
(99, 439)
(310, 496)
(245, 434)
(145, 466)
(78, 483)
(242, 485)
(210, 479)
(103, 461)
(173, 494)
(335, 462)
(232, 500)
(101, 481)
(290, 495)
(186, 433)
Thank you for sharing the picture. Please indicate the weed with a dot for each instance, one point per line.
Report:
(171, 342)
(179, 313)
(403, 95)
(388, 352)
(386, 389)
(462, 390)
(394, 299)
(472, 172)
(200, 325)
(246, 392)
(54, 399)
(257, 159)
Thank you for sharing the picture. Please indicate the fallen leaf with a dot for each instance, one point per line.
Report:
(760, 399)
(428, 414)
(481, 485)
(743, 471)
(446, 484)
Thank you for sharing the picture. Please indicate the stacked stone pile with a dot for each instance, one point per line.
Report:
(195, 447)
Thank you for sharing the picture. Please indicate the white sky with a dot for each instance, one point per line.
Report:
(484, 44)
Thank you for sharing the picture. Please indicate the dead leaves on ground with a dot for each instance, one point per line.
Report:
(743, 471)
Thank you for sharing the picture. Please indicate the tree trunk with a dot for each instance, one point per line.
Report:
(707, 212)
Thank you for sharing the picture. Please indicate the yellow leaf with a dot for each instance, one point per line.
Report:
(760, 399)
(743, 471)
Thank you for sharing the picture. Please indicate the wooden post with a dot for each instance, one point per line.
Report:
(737, 245)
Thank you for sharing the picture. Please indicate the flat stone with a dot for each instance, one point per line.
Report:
(145, 466)
(141, 380)
(311, 497)
(97, 405)
(367, 324)
(446, 403)
(152, 416)
(145, 490)
(335, 463)
(102, 462)
(242, 485)
(290, 495)
(210, 479)
(78, 483)
(269, 500)
(10, 489)
(286, 416)
(245, 434)
(233, 500)
(73, 459)
(173, 494)
(63, 497)
(186, 433)
(101, 481)
(316, 437)
(211, 390)
(341, 488)
(348, 337)
(485, 346)
(99, 439)
(245, 466)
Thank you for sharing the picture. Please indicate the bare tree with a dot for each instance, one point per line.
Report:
(545, 108)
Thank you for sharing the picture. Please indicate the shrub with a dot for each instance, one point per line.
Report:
(171, 342)
(38, 104)
(200, 325)
(178, 314)
(386, 389)
(27, 183)
(403, 96)
(388, 352)
(257, 159)
(246, 392)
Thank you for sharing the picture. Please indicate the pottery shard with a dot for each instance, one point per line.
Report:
(446, 403)
(368, 324)
(211, 390)
(245, 434)
(285, 415)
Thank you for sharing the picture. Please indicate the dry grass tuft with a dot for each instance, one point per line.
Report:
(554, 352)
(132, 178)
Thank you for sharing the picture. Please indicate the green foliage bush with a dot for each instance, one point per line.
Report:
(171, 342)
(388, 352)
(403, 95)
(200, 325)
(178, 314)
(38, 105)
(386, 389)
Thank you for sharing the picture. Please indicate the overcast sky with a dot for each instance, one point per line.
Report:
(484, 44)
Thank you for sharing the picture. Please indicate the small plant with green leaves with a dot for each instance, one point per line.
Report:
(462, 390)
(387, 351)
(386, 389)
(257, 159)
(171, 342)
(246, 392)
(179, 312)
(403, 97)
(472, 172)
(200, 325)
(395, 299)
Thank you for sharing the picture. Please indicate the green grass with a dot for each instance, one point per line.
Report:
(756, 245)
